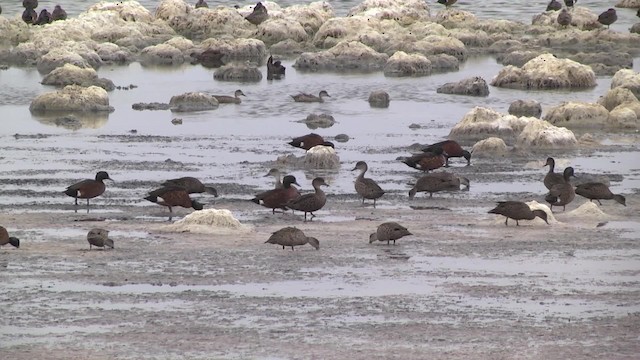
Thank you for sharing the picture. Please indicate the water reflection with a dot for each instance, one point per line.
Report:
(73, 121)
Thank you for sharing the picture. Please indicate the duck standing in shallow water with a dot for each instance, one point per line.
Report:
(310, 140)
(290, 236)
(58, 13)
(225, 99)
(310, 202)
(365, 187)
(517, 210)
(389, 231)
(429, 160)
(278, 198)
(171, 196)
(438, 182)
(608, 17)
(599, 191)
(6, 239)
(100, 238)
(88, 189)
(452, 149)
(191, 185)
(447, 3)
(275, 70)
(307, 98)
(562, 194)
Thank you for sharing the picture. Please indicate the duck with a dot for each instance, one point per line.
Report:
(438, 182)
(638, 13)
(225, 99)
(564, 18)
(291, 236)
(599, 191)
(171, 196)
(43, 18)
(554, 5)
(6, 239)
(275, 173)
(608, 17)
(452, 149)
(191, 185)
(429, 160)
(30, 4)
(304, 97)
(562, 194)
(365, 187)
(517, 210)
(202, 4)
(278, 198)
(570, 3)
(552, 178)
(275, 70)
(308, 141)
(29, 16)
(258, 15)
(447, 3)
(100, 238)
(58, 13)
(389, 231)
(310, 202)
(89, 188)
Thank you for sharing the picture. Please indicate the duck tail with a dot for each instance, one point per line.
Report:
(153, 199)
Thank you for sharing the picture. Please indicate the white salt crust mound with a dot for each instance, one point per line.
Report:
(589, 210)
(193, 101)
(540, 134)
(72, 98)
(577, 115)
(489, 147)
(321, 157)
(208, 221)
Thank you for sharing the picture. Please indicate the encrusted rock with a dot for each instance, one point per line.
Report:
(577, 115)
(542, 135)
(405, 12)
(633, 4)
(379, 99)
(321, 157)
(528, 108)
(475, 86)
(490, 147)
(581, 17)
(351, 55)
(480, 123)
(70, 74)
(546, 72)
(516, 58)
(238, 72)
(57, 58)
(72, 98)
(615, 97)
(627, 79)
(193, 101)
(605, 63)
(163, 54)
(273, 31)
(235, 49)
(403, 64)
(623, 118)
(444, 62)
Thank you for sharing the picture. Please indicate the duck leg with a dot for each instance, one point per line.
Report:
(170, 213)
(506, 221)
(517, 223)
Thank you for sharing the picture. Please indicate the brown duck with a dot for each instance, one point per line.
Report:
(58, 13)
(552, 178)
(608, 17)
(278, 198)
(365, 187)
(562, 194)
(275, 69)
(564, 18)
(435, 182)
(304, 97)
(100, 238)
(452, 149)
(290, 236)
(88, 189)
(599, 191)
(258, 15)
(6, 239)
(310, 202)
(447, 3)
(554, 5)
(389, 231)
(225, 99)
(191, 185)
(171, 196)
(310, 140)
(429, 160)
(517, 210)
(202, 4)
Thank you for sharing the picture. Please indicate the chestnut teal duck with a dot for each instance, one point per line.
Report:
(307, 98)
(100, 238)
(43, 18)
(447, 3)
(365, 187)
(58, 13)
(6, 239)
(308, 141)
(599, 191)
(310, 202)
(202, 4)
(429, 160)
(171, 196)
(191, 185)
(517, 210)
(291, 236)
(554, 5)
(608, 17)
(564, 18)
(552, 178)
(89, 188)
(452, 149)
(29, 16)
(278, 198)
(30, 4)
(562, 194)
(275, 69)
(225, 99)
(570, 3)
(389, 231)
(436, 182)
(258, 15)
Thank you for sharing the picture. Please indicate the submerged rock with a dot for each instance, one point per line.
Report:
(475, 86)
(193, 101)
(70, 74)
(315, 121)
(151, 106)
(72, 98)
(379, 99)
(577, 115)
(403, 64)
(489, 147)
(528, 108)
(546, 72)
(238, 72)
(540, 134)
(348, 55)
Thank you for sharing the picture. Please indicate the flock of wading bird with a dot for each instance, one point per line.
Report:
(284, 196)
